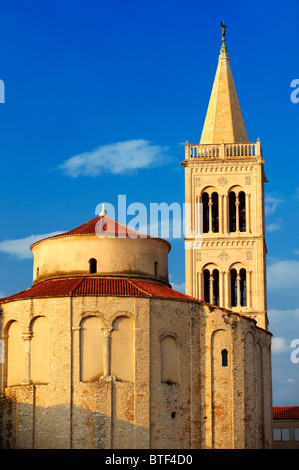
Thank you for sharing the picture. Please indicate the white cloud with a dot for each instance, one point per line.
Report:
(274, 226)
(279, 345)
(20, 248)
(283, 275)
(179, 287)
(271, 203)
(117, 158)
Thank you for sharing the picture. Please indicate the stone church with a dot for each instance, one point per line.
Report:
(101, 353)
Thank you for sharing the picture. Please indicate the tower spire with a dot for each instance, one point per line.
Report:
(224, 121)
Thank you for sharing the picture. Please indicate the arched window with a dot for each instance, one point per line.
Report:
(211, 286)
(92, 266)
(216, 287)
(206, 212)
(210, 212)
(234, 287)
(232, 212)
(169, 360)
(206, 276)
(243, 287)
(238, 288)
(224, 357)
(237, 212)
(215, 213)
(242, 212)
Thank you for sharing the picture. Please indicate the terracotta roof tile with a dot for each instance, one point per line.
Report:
(101, 225)
(90, 286)
(286, 412)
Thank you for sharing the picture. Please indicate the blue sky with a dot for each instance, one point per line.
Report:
(121, 85)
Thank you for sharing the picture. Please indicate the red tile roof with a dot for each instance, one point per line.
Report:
(90, 286)
(101, 225)
(286, 412)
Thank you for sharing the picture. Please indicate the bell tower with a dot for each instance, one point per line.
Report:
(224, 188)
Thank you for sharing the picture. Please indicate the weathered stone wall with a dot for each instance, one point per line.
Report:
(203, 405)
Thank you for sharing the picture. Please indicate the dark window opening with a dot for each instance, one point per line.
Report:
(215, 217)
(232, 212)
(216, 287)
(234, 288)
(224, 356)
(156, 268)
(92, 266)
(206, 214)
(243, 287)
(242, 212)
(206, 275)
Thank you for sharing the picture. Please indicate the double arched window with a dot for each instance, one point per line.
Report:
(237, 211)
(210, 202)
(211, 286)
(238, 287)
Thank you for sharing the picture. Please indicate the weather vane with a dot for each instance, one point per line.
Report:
(223, 27)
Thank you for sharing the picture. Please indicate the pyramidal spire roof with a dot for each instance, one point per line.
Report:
(224, 120)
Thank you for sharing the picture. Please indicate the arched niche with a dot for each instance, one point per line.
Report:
(169, 360)
(40, 350)
(91, 349)
(15, 355)
(122, 349)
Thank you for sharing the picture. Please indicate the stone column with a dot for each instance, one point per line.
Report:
(27, 338)
(221, 213)
(225, 218)
(247, 213)
(226, 303)
(237, 214)
(221, 289)
(238, 290)
(210, 214)
(107, 351)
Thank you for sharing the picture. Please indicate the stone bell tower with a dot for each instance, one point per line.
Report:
(224, 185)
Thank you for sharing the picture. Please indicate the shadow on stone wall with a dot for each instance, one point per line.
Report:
(23, 426)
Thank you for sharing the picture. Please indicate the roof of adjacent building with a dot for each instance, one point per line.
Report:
(97, 286)
(286, 412)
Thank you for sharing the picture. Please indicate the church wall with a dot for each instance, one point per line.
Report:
(114, 256)
(232, 393)
(68, 412)
(201, 404)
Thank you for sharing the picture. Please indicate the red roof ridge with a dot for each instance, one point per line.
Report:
(127, 228)
(139, 288)
(89, 228)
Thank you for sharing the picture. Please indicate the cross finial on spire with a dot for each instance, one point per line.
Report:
(223, 27)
